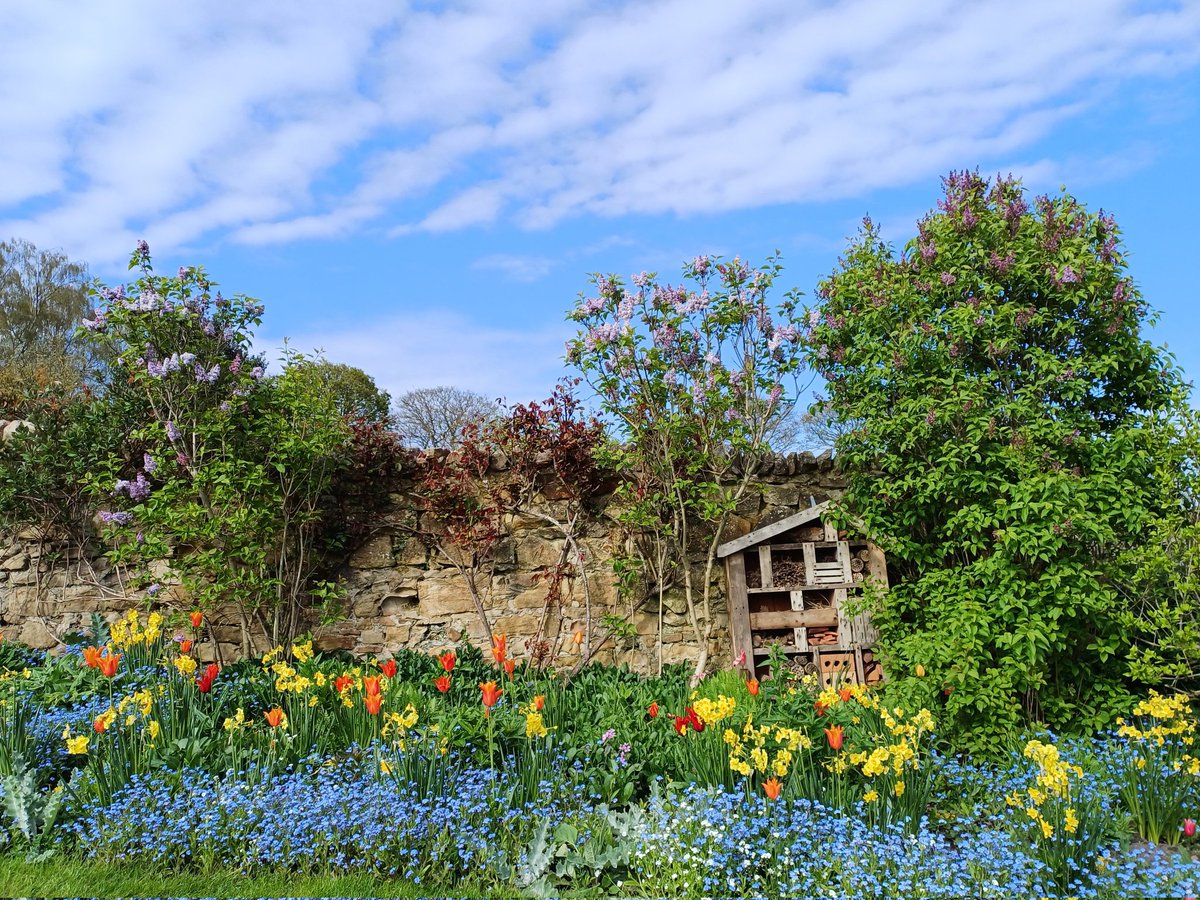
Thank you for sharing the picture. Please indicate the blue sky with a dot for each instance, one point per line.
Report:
(422, 189)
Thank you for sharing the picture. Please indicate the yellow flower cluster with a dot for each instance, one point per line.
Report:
(1169, 716)
(893, 757)
(302, 652)
(288, 680)
(185, 664)
(128, 632)
(713, 711)
(399, 723)
(237, 721)
(76, 745)
(1053, 786)
(749, 751)
(535, 727)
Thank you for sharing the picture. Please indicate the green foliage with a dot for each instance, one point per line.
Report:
(1002, 393)
(1162, 581)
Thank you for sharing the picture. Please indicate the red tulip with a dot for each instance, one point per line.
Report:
(205, 681)
(491, 694)
(447, 660)
(91, 657)
(772, 787)
(442, 683)
(100, 725)
(371, 686)
(108, 665)
(372, 702)
(197, 617)
(652, 710)
(342, 682)
(274, 717)
(834, 735)
(694, 720)
(680, 724)
(1189, 827)
(752, 687)
(389, 668)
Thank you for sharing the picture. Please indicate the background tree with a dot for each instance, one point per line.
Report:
(352, 390)
(690, 377)
(431, 418)
(43, 297)
(1003, 392)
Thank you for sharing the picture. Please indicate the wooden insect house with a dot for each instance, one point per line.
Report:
(788, 584)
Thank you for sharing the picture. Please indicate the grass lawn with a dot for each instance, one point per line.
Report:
(61, 877)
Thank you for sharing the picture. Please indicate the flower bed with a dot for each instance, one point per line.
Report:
(456, 770)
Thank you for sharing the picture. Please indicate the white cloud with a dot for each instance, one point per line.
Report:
(518, 268)
(440, 348)
(271, 122)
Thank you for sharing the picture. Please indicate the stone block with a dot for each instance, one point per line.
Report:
(36, 634)
(366, 607)
(443, 594)
(399, 605)
(16, 562)
(410, 552)
(538, 553)
(786, 494)
(516, 626)
(374, 554)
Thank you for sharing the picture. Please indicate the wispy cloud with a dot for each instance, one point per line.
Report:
(439, 348)
(518, 268)
(271, 122)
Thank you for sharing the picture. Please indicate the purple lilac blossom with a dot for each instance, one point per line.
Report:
(172, 432)
(116, 518)
(148, 462)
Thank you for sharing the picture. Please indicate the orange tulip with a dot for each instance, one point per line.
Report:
(447, 660)
(845, 694)
(274, 717)
(539, 702)
(491, 694)
(108, 665)
(772, 787)
(100, 725)
(371, 686)
(499, 647)
(342, 682)
(834, 736)
(820, 707)
(197, 617)
(388, 668)
(372, 702)
(752, 687)
(510, 666)
(652, 710)
(185, 646)
(577, 638)
(91, 657)
(442, 683)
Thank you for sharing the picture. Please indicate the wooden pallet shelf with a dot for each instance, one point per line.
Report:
(789, 584)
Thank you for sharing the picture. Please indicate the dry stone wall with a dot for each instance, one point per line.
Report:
(400, 593)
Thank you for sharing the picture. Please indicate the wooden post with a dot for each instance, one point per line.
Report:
(764, 565)
(739, 609)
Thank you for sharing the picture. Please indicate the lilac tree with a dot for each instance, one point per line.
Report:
(217, 495)
(692, 376)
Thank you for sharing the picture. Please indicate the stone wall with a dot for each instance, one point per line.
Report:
(402, 594)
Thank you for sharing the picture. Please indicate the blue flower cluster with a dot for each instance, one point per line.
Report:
(704, 843)
(329, 816)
